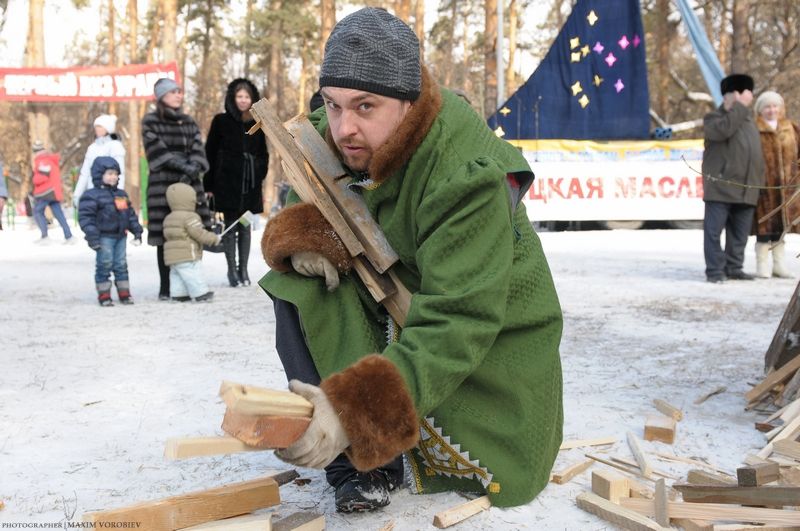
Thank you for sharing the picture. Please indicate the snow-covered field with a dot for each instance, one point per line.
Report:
(88, 395)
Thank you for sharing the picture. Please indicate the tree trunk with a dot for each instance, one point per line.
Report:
(490, 57)
(740, 45)
(274, 89)
(248, 24)
(112, 48)
(512, 48)
(466, 81)
(301, 84)
(156, 9)
(403, 9)
(203, 77)
(447, 68)
(419, 27)
(38, 119)
(724, 34)
(132, 182)
(327, 21)
(169, 49)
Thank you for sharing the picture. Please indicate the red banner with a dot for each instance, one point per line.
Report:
(86, 83)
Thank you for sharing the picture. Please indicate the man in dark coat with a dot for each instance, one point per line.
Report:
(733, 169)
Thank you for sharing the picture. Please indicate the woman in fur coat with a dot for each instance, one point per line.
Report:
(238, 166)
(780, 141)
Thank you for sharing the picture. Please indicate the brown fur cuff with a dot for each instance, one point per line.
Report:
(376, 410)
(299, 228)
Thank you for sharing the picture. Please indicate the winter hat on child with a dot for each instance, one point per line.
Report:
(768, 98)
(374, 51)
(107, 122)
(163, 86)
(736, 83)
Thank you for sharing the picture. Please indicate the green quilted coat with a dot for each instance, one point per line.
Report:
(479, 350)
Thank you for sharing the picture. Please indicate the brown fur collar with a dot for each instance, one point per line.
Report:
(376, 410)
(784, 125)
(391, 156)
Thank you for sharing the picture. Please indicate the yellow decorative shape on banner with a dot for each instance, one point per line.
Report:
(584, 101)
(505, 111)
(499, 132)
(494, 487)
(574, 42)
(576, 57)
(576, 88)
(585, 50)
(597, 80)
(592, 17)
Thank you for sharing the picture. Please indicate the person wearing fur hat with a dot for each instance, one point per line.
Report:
(175, 153)
(469, 390)
(237, 168)
(780, 142)
(733, 172)
(106, 144)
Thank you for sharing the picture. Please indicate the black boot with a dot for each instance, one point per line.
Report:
(229, 245)
(104, 293)
(363, 492)
(244, 254)
(163, 273)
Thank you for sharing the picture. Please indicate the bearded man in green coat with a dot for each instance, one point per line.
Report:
(470, 388)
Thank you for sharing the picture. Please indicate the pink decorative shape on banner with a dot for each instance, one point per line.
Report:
(619, 85)
(624, 42)
(636, 41)
(610, 59)
(598, 47)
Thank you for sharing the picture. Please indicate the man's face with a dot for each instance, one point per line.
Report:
(361, 122)
(746, 98)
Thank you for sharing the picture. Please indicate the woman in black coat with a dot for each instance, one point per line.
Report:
(174, 150)
(238, 167)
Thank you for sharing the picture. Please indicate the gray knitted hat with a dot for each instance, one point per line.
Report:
(374, 51)
(163, 86)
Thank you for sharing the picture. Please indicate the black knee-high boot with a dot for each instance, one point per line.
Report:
(244, 254)
(163, 273)
(229, 245)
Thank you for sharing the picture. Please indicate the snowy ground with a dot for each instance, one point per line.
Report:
(88, 395)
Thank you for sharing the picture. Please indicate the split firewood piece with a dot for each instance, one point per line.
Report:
(632, 469)
(757, 475)
(570, 472)
(790, 476)
(609, 485)
(768, 495)
(696, 462)
(659, 428)
(461, 512)
(703, 477)
(578, 443)
(613, 513)
(248, 522)
(668, 409)
(660, 502)
(635, 465)
(186, 447)
(640, 490)
(252, 400)
(766, 427)
(715, 511)
(789, 431)
(264, 431)
(300, 521)
(186, 510)
(638, 453)
(788, 448)
(703, 398)
(773, 379)
(688, 524)
(789, 391)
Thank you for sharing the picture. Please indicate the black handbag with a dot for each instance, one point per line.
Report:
(217, 226)
(48, 196)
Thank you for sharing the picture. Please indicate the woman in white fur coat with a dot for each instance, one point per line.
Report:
(106, 144)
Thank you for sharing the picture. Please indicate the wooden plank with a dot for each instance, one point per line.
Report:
(624, 468)
(578, 443)
(640, 490)
(186, 510)
(696, 462)
(248, 522)
(187, 447)
(749, 527)
(668, 409)
(300, 521)
(461, 512)
(636, 466)
(264, 431)
(252, 400)
(789, 431)
(638, 453)
(659, 428)
(703, 477)
(756, 475)
(703, 398)
(660, 502)
(329, 170)
(790, 477)
(571, 471)
(788, 448)
(693, 525)
(774, 378)
(789, 391)
(770, 495)
(714, 512)
(614, 514)
(783, 347)
(610, 485)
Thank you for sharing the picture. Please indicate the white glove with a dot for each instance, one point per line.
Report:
(219, 239)
(137, 241)
(325, 437)
(312, 264)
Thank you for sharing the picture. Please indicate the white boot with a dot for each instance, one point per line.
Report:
(762, 260)
(779, 268)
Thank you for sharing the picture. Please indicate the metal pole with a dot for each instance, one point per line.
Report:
(501, 79)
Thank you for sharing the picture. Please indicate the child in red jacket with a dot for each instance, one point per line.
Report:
(48, 191)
